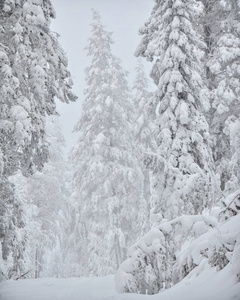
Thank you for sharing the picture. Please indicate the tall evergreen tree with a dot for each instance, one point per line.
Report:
(48, 192)
(144, 130)
(223, 79)
(234, 182)
(144, 117)
(107, 179)
(46, 209)
(33, 72)
(183, 154)
(182, 180)
(13, 233)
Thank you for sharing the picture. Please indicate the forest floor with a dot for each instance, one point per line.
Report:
(203, 283)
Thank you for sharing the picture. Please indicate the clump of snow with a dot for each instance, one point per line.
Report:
(18, 113)
(3, 56)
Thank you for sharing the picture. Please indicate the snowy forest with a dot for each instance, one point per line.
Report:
(149, 195)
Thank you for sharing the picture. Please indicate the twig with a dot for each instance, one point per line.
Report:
(23, 274)
(4, 274)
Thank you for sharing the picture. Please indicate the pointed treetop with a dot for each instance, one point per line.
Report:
(101, 40)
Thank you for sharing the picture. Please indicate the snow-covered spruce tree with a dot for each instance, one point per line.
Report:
(33, 71)
(223, 78)
(48, 192)
(11, 219)
(107, 181)
(144, 128)
(234, 129)
(12, 232)
(142, 96)
(24, 236)
(43, 201)
(182, 177)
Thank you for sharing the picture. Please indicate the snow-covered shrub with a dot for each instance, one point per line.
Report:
(170, 251)
(220, 245)
(152, 262)
(217, 247)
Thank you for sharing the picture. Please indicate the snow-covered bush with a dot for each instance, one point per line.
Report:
(218, 247)
(152, 262)
(170, 251)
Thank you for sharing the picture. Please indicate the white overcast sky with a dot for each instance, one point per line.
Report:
(122, 17)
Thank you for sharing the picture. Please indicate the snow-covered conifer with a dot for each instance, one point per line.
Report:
(33, 72)
(12, 232)
(144, 128)
(233, 183)
(48, 192)
(142, 100)
(223, 63)
(182, 180)
(107, 180)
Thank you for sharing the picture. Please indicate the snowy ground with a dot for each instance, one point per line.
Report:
(209, 285)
